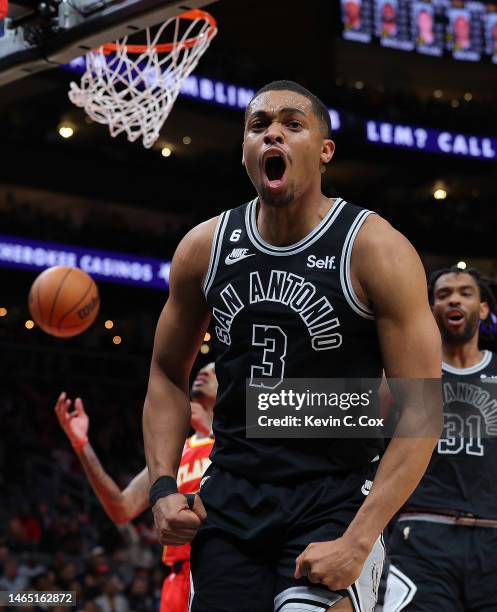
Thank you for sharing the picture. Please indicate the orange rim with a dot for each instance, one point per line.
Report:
(167, 47)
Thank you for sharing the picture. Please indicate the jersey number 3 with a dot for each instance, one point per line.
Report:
(272, 341)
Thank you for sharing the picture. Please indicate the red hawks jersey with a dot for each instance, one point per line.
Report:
(194, 461)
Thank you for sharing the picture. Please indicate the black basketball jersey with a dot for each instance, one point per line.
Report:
(462, 474)
(286, 312)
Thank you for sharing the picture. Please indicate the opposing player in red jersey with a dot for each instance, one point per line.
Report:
(124, 506)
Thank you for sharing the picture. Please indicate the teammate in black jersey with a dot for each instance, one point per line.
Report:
(296, 285)
(443, 549)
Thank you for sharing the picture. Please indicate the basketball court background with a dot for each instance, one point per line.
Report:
(118, 210)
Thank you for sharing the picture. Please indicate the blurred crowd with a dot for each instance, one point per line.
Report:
(53, 534)
(109, 230)
(35, 556)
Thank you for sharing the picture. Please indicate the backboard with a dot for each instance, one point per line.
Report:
(41, 34)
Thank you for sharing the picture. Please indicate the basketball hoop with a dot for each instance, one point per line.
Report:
(132, 88)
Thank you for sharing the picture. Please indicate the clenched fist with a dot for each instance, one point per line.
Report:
(175, 523)
(336, 564)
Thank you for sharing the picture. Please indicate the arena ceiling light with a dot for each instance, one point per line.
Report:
(461, 265)
(166, 151)
(66, 131)
(440, 194)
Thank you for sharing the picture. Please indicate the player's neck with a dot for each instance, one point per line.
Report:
(290, 224)
(462, 355)
(203, 427)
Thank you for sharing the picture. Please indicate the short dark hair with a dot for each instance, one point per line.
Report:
(486, 294)
(318, 106)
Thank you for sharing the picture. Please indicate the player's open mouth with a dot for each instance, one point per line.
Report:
(274, 164)
(455, 317)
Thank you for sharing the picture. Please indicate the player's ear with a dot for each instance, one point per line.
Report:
(484, 310)
(327, 151)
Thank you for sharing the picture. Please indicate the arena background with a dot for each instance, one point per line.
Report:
(92, 191)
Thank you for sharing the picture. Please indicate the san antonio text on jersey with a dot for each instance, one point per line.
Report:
(286, 312)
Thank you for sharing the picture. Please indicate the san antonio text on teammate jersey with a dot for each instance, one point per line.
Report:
(287, 312)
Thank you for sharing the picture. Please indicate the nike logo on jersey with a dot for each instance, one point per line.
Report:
(366, 487)
(328, 262)
(237, 255)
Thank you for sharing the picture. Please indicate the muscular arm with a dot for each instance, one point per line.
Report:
(388, 273)
(179, 333)
(120, 506)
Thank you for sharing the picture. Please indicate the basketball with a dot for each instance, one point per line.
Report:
(64, 301)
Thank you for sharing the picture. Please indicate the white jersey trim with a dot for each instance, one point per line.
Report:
(355, 597)
(363, 592)
(191, 594)
(483, 363)
(400, 590)
(217, 243)
(345, 279)
(260, 244)
(305, 598)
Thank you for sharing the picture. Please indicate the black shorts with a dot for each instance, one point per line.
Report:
(437, 567)
(243, 557)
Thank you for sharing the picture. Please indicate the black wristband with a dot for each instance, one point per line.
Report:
(162, 487)
(190, 500)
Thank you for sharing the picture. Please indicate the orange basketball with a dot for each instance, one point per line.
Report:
(64, 301)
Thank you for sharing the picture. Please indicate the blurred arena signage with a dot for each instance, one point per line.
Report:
(226, 94)
(430, 140)
(217, 92)
(28, 254)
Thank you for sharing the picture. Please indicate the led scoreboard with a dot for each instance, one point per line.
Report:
(465, 30)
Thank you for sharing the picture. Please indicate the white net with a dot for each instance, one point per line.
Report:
(133, 92)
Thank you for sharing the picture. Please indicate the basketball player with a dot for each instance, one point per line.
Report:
(389, 19)
(462, 32)
(352, 13)
(298, 285)
(124, 506)
(425, 27)
(443, 546)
